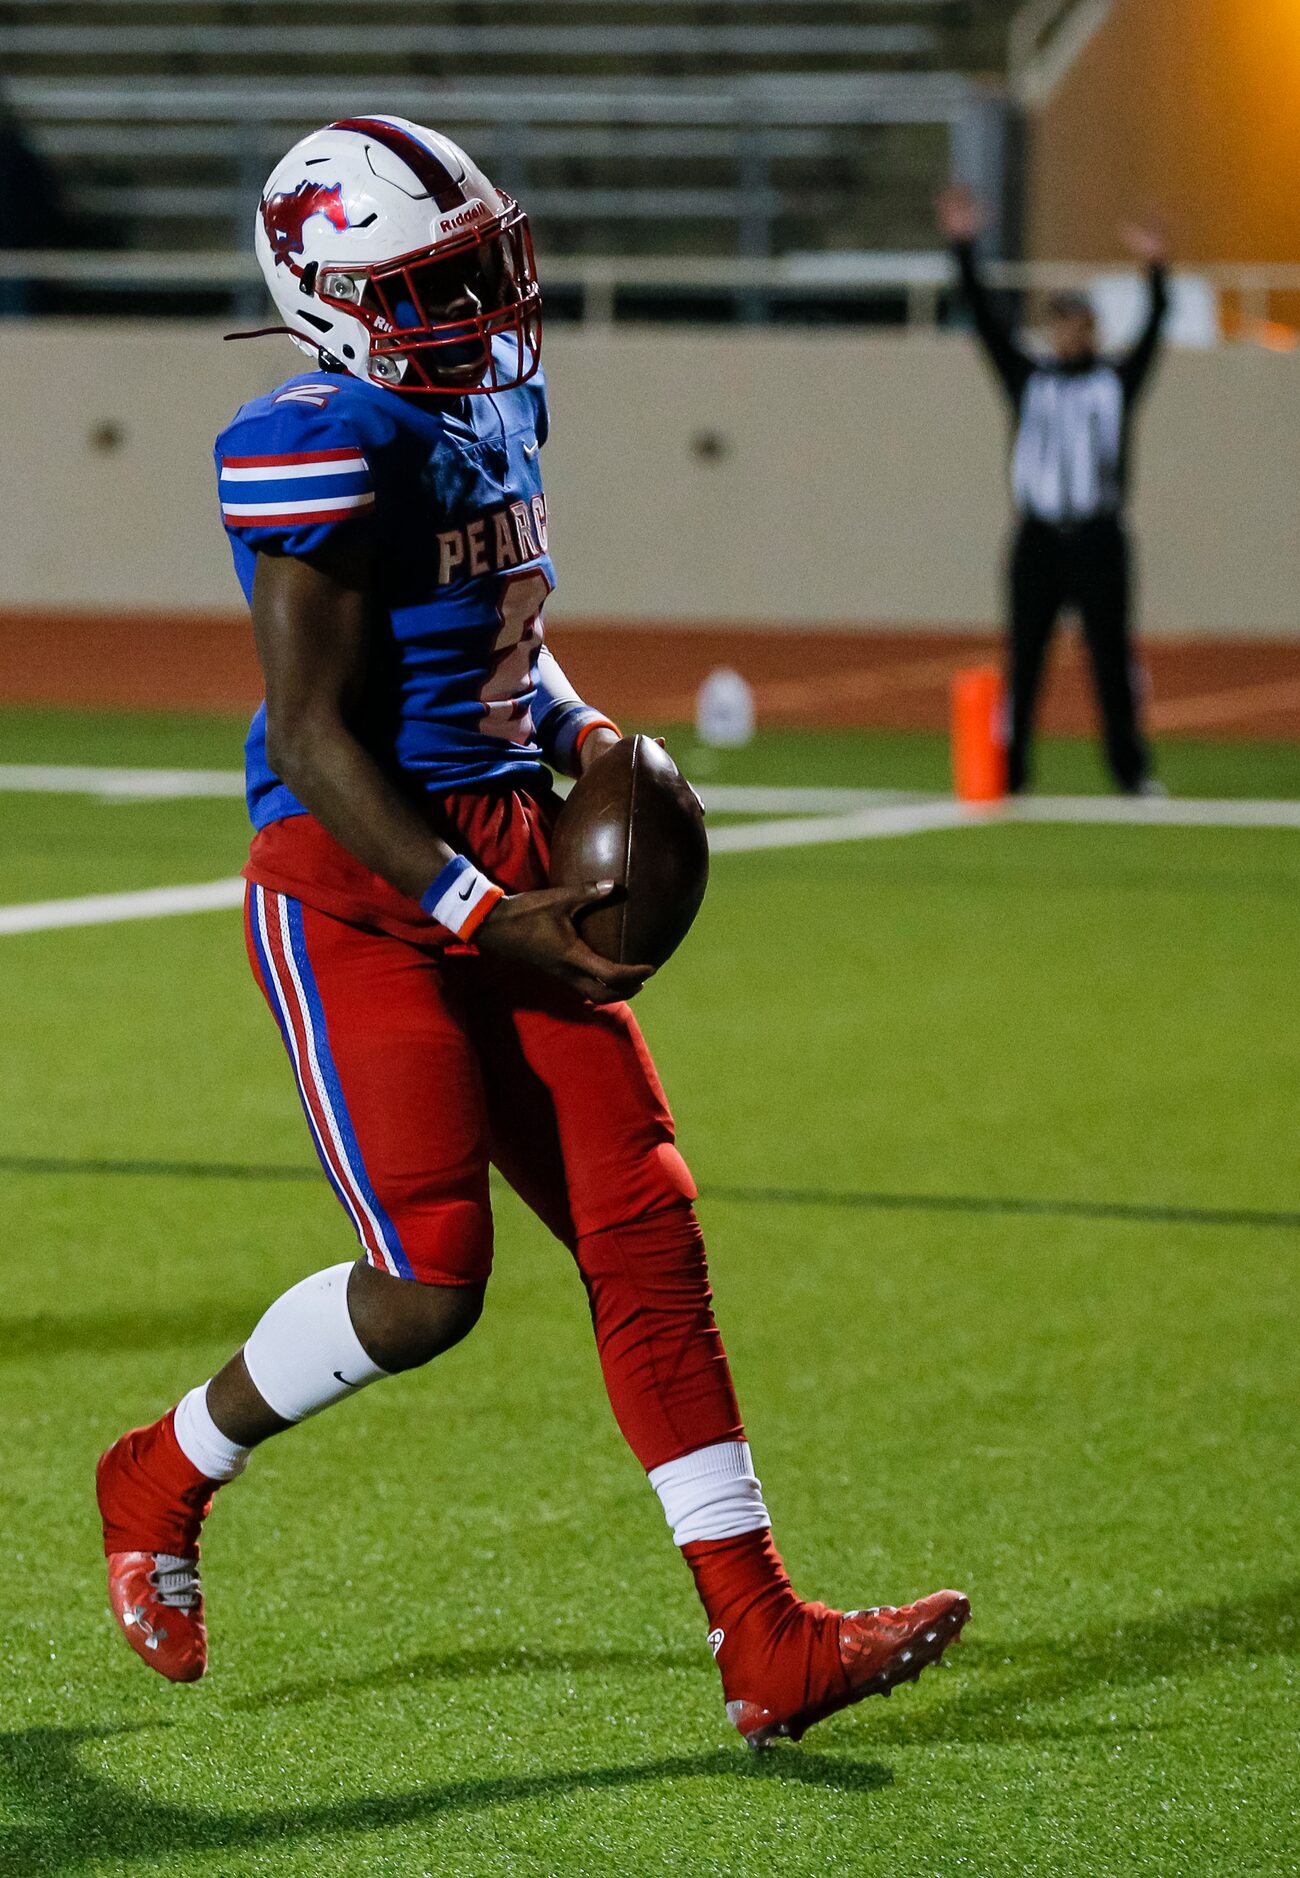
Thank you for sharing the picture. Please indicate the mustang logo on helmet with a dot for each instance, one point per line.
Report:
(285, 216)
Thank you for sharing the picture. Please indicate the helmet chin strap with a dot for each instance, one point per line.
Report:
(377, 373)
(327, 359)
(264, 332)
(378, 368)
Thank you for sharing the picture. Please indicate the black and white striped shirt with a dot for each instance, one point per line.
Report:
(1070, 458)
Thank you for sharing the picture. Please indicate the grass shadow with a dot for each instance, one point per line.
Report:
(124, 1333)
(76, 1816)
(1014, 1682)
(457, 1665)
(70, 1816)
(992, 1696)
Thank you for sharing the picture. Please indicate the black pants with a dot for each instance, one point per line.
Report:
(1086, 566)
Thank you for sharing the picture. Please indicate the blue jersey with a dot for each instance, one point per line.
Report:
(450, 492)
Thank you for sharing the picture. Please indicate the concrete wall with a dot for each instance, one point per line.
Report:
(854, 480)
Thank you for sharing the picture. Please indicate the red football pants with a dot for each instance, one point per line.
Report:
(418, 1068)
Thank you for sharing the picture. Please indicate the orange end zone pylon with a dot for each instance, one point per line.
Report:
(979, 746)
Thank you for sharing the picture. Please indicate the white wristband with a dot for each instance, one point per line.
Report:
(461, 898)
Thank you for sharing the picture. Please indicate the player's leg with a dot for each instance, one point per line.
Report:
(376, 1051)
(581, 1128)
(596, 1159)
(1035, 594)
(1104, 584)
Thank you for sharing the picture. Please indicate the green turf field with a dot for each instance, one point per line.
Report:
(999, 1172)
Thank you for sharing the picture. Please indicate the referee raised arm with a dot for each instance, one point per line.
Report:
(1073, 413)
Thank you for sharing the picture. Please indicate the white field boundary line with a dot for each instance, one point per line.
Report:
(873, 824)
(1150, 811)
(114, 784)
(103, 909)
(926, 814)
(107, 909)
(724, 798)
(148, 785)
(883, 821)
(760, 799)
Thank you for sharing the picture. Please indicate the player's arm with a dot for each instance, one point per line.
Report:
(312, 626)
(572, 733)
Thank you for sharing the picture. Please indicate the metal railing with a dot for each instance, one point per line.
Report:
(918, 285)
(731, 98)
(752, 39)
(434, 7)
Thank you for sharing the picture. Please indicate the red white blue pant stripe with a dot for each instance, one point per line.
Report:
(281, 952)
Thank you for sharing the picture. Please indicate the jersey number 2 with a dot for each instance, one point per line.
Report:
(514, 653)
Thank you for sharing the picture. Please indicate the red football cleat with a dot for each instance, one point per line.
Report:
(878, 1649)
(158, 1601)
(153, 1502)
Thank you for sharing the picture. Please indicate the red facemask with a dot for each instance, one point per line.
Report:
(446, 309)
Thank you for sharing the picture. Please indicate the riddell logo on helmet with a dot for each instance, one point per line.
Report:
(285, 216)
(473, 213)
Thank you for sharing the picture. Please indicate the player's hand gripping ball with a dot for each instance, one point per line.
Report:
(634, 819)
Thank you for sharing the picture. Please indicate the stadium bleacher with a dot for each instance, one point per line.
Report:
(629, 126)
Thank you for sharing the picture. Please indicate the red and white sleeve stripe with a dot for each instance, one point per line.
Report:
(297, 489)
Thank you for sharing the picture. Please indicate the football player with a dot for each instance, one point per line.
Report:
(438, 1006)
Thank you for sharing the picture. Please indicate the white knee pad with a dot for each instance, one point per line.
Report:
(304, 1353)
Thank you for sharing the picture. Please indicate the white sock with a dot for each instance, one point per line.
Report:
(304, 1354)
(711, 1494)
(202, 1442)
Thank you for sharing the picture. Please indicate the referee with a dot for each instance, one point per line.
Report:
(1070, 475)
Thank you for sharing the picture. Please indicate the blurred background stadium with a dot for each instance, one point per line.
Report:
(993, 1116)
(765, 412)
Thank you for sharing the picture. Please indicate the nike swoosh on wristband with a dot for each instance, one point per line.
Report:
(343, 1379)
(466, 891)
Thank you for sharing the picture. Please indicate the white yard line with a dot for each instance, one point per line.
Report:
(147, 785)
(1151, 811)
(724, 798)
(871, 824)
(758, 799)
(867, 815)
(785, 799)
(921, 814)
(105, 909)
(139, 785)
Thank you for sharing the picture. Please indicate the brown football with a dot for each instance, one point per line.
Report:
(632, 818)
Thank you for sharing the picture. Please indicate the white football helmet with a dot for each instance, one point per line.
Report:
(390, 254)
